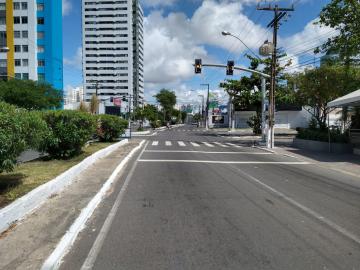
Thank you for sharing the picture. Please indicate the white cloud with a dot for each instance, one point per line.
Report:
(76, 60)
(157, 3)
(66, 7)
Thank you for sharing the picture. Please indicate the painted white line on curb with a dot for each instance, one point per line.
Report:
(28, 203)
(223, 162)
(99, 241)
(54, 260)
(305, 209)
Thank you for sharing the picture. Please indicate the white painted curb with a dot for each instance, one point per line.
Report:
(54, 260)
(29, 202)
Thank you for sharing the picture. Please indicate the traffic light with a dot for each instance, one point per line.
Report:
(111, 99)
(230, 68)
(124, 99)
(198, 66)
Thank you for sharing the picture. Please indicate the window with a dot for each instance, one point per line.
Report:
(16, 5)
(18, 76)
(3, 63)
(2, 6)
(25, 48)
(25, 62)
(17, 34)
(41, 77)
(17, 48)
(40, 7)
(17, 63)
(40, 49)
(25, 76)
(24, 20)
(24, 6)
(40, 20)
(41, 63)
(40, 35)
(16, 20)
(25, 34)
(2, 21)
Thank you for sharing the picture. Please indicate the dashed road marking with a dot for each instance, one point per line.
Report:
(155, 143)
(195, 144)
(168, 143)
(181, 143)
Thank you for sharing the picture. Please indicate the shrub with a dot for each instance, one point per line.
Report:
(255, 123)
(110, 127)
(322, 135)
(155, 124)
(19, 130)
(70, 130)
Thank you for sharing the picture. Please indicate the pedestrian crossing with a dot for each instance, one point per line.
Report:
(195, 144)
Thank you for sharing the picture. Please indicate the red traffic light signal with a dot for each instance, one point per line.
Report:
(230, 68)
(198, 65)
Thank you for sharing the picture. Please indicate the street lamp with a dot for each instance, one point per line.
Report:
(202, 108)
(226, 33)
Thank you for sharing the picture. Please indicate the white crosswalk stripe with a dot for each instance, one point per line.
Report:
(155, 143)
(181, 143)
(195, 144)
(234, 145)
(168, 143)
(208, 144)
(220, 144)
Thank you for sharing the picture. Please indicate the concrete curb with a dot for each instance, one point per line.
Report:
(54, 260)
(29, 202)
(140, 133)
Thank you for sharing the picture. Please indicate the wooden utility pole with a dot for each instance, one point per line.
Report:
(279, 13)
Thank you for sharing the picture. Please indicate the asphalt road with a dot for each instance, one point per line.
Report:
(194, 200)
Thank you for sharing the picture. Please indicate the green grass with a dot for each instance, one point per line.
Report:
(30, 175)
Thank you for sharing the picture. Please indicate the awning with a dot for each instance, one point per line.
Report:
(352, 99)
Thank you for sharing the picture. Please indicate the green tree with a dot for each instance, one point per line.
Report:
(30, 95)
(317, 87)
(149, 112)
(94, 104)
(167, 100)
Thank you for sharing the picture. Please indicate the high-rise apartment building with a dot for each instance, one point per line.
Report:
(113, 53)
(31, 31)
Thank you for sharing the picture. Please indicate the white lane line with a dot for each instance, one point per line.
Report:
(155, 143)
(220, 144)
(234, 145)
(181, 143)
(305, 209)
(95, 249)
(207, 152)
(208, 144)
(195, 144)
(224, 162)
(168, 143)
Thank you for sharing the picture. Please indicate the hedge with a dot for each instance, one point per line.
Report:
(110, 127)
(19, 130)
(70, 130)
(322, 135)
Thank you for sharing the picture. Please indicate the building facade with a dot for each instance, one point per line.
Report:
(113, 49)
(31, 30)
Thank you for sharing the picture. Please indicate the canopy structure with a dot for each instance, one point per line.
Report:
(352, 99)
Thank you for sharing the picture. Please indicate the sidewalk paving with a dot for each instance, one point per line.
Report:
(29, 243)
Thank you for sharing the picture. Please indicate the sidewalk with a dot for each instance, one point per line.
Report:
(29, 243)
(345, 163)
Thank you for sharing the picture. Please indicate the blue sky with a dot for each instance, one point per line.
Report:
(178, 31)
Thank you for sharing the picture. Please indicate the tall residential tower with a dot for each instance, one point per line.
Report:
(113, 49)
(31, 30)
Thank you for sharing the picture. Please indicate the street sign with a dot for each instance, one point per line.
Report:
(117, 102)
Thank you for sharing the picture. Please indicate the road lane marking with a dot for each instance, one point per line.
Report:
(234, 145)
(220, 144)
(208, 144)
(195, 144)
(223, 162)
(155, 143)
(168, 143)
(181, 143)
(305, 209)
(207, 152)
(100, 239)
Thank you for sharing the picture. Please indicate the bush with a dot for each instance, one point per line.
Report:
(255, 123)
(19, 130)
(322, 135)
(70, 130)
(110, 127)
(155, 124)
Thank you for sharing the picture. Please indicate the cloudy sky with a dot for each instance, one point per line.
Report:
(178, 31)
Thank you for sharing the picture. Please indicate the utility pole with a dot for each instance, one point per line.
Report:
(279, 13)
(207, 106)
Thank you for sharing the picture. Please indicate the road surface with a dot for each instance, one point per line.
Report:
(195, 200)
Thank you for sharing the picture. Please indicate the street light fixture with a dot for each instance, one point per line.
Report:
(227, 33)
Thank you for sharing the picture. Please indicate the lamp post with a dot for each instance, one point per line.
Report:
(226, 33)
(207, 106)
(202, 108)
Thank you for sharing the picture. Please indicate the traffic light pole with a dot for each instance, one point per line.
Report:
(207, 106)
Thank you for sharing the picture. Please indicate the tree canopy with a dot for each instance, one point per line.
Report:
(167, 100)
(30, 95)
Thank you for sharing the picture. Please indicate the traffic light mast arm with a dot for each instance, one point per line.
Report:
(238, 68)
